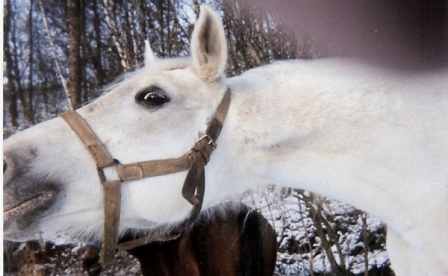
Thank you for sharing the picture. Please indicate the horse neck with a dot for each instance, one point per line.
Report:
(313, 130)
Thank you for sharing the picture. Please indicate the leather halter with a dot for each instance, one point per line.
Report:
(193, 189)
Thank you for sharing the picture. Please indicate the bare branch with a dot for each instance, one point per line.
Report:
(114, 32)
(53, 53)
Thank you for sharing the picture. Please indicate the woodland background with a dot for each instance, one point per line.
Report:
(54, 49)
(96, 41)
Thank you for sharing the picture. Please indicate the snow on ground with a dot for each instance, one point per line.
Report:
(345, 231)
(301, 243)
(301, 248)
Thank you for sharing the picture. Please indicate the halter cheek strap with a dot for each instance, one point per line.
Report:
(193, 189)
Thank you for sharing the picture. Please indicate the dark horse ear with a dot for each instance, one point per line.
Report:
(208, 45)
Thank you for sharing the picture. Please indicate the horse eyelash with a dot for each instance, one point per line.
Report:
(144, 94)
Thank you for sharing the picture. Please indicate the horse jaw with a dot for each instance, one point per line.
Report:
(64, 174)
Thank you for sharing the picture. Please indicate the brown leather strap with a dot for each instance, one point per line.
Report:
(112, 207)
(111, 189)
(193, 189)
(138, 170)
(194, 186)
(89, 138)
(205, 145)
(195, 180)
(215, 125)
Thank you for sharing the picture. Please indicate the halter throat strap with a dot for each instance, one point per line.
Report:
(193, 188)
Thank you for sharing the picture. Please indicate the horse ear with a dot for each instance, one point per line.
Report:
(150, 58)
(208, 45)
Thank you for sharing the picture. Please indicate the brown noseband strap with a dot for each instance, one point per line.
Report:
(193, 189)
(88, 137)
(111, 188)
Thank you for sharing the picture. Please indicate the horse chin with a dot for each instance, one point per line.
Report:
(23, 208)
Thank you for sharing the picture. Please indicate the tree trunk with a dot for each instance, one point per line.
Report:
(13, 110)
(74, 34)
(96, 55)
(31, 62)
(112, 24)
(15, 67)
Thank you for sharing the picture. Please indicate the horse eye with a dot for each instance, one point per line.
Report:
(152, 97)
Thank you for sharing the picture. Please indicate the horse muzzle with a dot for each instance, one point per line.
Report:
(25, 199)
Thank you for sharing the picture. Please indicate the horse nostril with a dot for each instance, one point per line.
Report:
(5, 165)
(8, 169)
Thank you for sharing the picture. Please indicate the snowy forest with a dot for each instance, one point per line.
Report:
(55, 48)
(64, 53)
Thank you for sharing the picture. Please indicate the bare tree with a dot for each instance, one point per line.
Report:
(53, 53)
(110, 16)
(74, 33)
(13, 108)
(31, 62)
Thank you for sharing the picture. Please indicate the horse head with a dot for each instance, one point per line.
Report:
(157, 112)
(368, 136)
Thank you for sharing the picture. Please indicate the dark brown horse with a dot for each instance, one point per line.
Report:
(240, 242)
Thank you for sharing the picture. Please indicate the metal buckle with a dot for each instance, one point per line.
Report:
(211, 142)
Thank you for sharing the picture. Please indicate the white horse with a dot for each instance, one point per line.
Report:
(370, 137)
